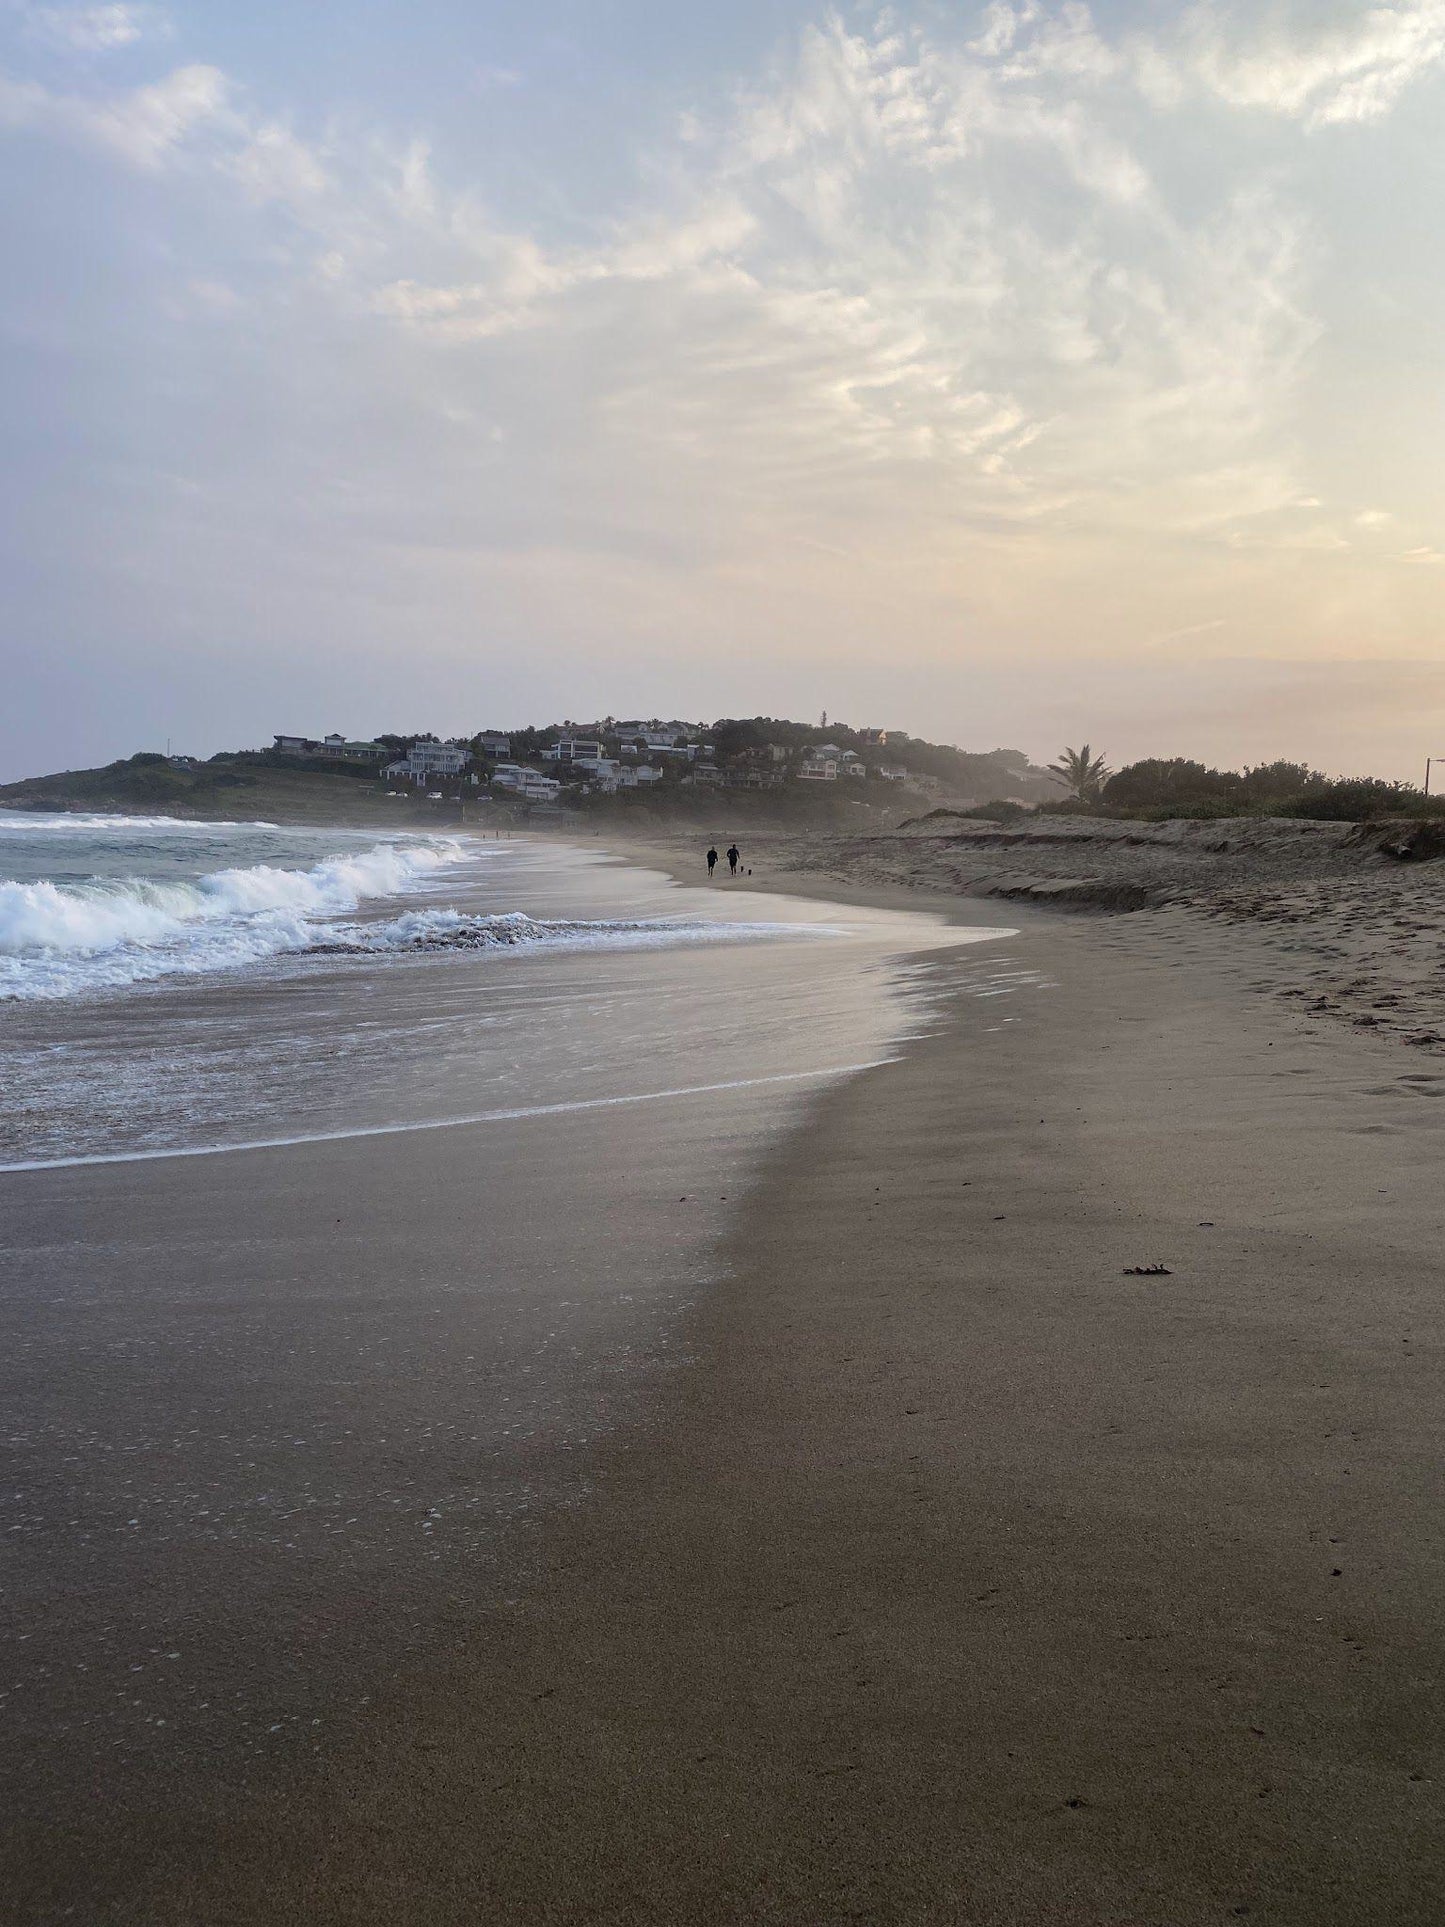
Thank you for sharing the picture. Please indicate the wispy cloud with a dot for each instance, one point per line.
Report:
(93, 30)
(488, 78)
(927, 257)
(144, 126)
(1345, 67)
(1189, 633)
(1007, 328)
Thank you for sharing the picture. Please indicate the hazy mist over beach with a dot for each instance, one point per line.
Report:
(1009, 374)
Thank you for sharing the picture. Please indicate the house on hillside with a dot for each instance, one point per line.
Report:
(530, 784)
(825, 763)
(335, 747)
(342, 749)
(753, 776)
(574, 749)
(603, 772)
(425, 761)
(492, 743)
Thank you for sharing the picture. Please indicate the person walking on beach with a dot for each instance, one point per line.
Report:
(733, 854)
(711, 863)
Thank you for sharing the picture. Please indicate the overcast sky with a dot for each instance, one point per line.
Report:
(1009, 374)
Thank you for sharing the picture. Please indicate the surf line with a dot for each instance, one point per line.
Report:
(517, 1115)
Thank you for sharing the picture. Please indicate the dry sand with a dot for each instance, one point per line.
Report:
(1350, 918)
(963, 1576)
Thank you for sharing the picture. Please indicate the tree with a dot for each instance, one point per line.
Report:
(1082, 775)
(1168, 782)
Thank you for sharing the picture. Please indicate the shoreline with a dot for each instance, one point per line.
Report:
(243, 1390)
(953, 1575)
(960, 1577)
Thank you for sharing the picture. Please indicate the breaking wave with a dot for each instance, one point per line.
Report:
(63, 940)
(434, 930)
(80, 822)
(59, 939)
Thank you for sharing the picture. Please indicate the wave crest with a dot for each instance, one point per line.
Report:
(60, 939)
(440, 930)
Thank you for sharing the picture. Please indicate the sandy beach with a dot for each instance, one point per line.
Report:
(1346, 918)
(959, 1567)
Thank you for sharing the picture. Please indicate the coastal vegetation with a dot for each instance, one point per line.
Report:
(759, 762)
(1158, 789)
(1082, 774)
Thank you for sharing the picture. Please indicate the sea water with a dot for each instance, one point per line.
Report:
(170, 986)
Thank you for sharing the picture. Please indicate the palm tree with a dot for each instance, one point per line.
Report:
(1082, 775)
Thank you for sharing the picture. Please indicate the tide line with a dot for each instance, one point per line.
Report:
(517, 1115)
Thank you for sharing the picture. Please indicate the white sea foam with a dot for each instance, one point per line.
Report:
(423, 930)
(76, 821)
(60, 939)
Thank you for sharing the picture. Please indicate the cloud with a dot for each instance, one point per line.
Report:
(931, 260)
(1188, 633)
(1324, 72)
(944, 261)
(488, 79)
(144, 127)
(272, 164)
(913, 335)
(1322, 67)
(93, 30)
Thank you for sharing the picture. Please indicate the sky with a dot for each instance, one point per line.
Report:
(1009, 374)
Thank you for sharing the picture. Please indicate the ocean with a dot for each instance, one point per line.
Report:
(179, 987)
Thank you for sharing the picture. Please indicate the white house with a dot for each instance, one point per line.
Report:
(604, 768)
(426, 760)
(529, 784)
(640, 778)
(820, 764)
(573, 749)
(825, 763)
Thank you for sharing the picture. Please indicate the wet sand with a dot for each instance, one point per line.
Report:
(951, 1573)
